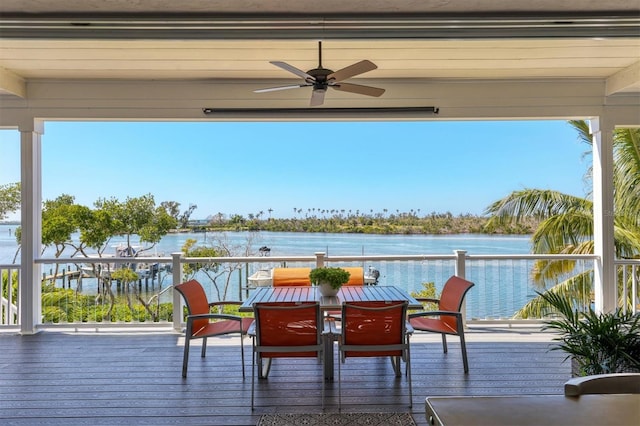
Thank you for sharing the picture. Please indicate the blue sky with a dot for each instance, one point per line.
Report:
(243, 168)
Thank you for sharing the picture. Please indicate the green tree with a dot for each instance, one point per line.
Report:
(566, 222)
(138, 216)
(61, 218)
(9, 199)
(220, 274)
(172, 208)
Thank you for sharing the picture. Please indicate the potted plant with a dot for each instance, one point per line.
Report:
(597, 343)
(329, 280)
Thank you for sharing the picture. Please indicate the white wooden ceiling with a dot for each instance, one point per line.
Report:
(79, 40)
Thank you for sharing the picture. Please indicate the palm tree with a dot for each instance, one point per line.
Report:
(566, 222)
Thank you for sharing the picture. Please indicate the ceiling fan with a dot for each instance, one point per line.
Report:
(322, 78)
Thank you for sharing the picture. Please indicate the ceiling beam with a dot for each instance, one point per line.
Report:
(206, 27)
(13, 84)
(624, 79)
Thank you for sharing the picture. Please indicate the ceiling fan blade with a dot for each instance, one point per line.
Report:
(285, 66)
(352, 70)
(274, 89)
(317, 97)
(357, 88)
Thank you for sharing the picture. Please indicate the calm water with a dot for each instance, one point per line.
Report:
(493, 296)
(290, 243)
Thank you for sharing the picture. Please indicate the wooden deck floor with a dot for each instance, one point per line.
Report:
(134, 378)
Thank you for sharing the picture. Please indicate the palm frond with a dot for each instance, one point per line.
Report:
(554, 234)
(577, 288)
(536, 203)
(627, 173)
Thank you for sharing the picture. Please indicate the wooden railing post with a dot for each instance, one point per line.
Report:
(320, 259)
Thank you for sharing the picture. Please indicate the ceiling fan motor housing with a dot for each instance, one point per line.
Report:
(320, 76)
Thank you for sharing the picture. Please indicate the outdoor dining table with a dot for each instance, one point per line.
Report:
(328, 303)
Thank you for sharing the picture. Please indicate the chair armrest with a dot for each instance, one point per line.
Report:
(216, 316)
(427, 300)
(252, 329)
(409, 328)
(603, 383)
(224, 302)
(435, 313)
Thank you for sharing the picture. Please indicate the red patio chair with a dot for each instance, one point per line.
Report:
(448, 318)
(286, 330)
(375, 329)
(201, 323)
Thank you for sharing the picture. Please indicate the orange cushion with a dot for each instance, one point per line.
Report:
(356, 276)
(291, 277)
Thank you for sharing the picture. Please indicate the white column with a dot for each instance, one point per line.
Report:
(603, 214)
(177, 299)
(461, 271)
(461, 263)
(31, 221)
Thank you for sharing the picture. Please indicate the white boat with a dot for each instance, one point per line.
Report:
(138, 264)
(260, 278)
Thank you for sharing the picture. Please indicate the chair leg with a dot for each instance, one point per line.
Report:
(204, 347)
(444, 342)
(339, 382)
(408, 372)
(185, 358)
(242, 353)
(324, 374)
(464, 353)
(395, 363)
(254, 356)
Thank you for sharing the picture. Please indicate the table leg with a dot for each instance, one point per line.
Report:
(328, 357)
(264, 365)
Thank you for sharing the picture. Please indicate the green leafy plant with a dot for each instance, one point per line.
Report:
(599, 343)
(336, 277)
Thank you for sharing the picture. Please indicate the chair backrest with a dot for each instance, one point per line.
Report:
(375, 325)
(285, 327)
(603, 383)
(196, 300)
(291, 277)
(451, 298)
(356, 275)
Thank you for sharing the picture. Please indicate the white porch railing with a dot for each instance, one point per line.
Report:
(503, 284)
(9, 281)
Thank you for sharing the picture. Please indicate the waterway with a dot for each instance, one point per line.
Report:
(492, 297)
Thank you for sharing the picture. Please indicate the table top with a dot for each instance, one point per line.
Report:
(312, 294)
(525, 410)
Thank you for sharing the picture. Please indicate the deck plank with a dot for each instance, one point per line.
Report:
(110, 378)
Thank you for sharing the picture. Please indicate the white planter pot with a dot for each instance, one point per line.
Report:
(326, 289)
